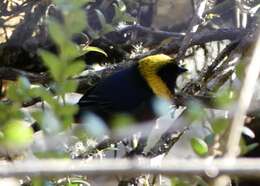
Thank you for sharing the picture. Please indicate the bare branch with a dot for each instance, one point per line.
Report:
(207, 167)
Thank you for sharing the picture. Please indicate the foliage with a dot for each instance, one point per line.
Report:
(65, 64)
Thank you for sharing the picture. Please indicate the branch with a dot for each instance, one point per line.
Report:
(155, 33)
(246, 94)
(199, 38)
(238, 167)
(12, 74)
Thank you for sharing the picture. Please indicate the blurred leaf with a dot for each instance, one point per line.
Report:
(219, 125)
(39, 181)
(24, 83)
(50, 122)
(69, 51)
(8, 112)
(199, 146)
(67, 86)
(52, 154)
(16, 134)
(195, 111)
(120, 13)
(68, 109)
(175, 181)
(224, 98)
(71, 5)
(94, 125)
(209, 139)
(244, 148)
(122, 120)
(57, 32)
(44, 94)
(75, 21)
(240, 70)
(18, 91)
(161, 106)
(53, 63)
(74, 68)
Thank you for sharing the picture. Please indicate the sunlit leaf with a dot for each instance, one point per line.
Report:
(87, 49)
(199, 146)
(16, 134)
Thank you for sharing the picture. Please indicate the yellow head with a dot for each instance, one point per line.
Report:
(149, 68)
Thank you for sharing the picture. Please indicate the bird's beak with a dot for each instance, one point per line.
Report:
(182, 70)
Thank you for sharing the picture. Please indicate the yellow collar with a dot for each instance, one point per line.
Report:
(148, 67)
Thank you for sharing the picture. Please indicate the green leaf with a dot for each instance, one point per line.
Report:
(18, 92)
(67, 109)
(106, 29)
(24, 83)
(240, 70)
(199, 146)
(223, 98)
(244, 148)
(51, 154)
(67, 86)
(175, 181)
(219, 125)
(53, 63)
(57, 32)
(120, 13)
(16, 134)
(71, 5)
(50, 122)
(75, 21)
(44, 94)
(93, 49)
(74, 69)
(195, 111)
(122, 120)
(69, 51)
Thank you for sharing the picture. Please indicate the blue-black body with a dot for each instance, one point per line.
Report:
(126, 91)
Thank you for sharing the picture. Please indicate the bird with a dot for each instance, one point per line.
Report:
(131, 90)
